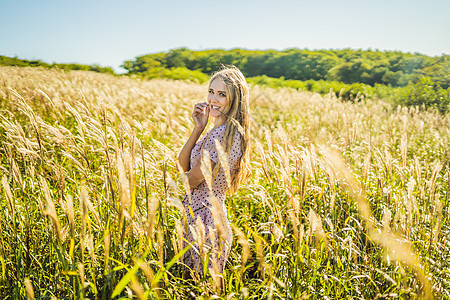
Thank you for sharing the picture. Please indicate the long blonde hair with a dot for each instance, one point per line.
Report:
(237, 114)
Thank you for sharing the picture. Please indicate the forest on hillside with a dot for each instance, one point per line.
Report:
(17, 62)
(348, 66)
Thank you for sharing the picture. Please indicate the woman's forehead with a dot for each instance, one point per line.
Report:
(217, 84)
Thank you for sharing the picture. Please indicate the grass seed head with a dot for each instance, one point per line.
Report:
(29, 289)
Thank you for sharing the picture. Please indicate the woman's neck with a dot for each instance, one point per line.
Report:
(219, 121)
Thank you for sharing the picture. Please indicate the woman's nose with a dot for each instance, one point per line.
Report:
(212, 98)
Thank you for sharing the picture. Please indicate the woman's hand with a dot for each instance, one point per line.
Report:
(201, 115)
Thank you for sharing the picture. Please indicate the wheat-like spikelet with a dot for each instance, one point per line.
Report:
(29, 289)
(9, 196)
(160, 240)
(83, 210)
(438, 221)
(315, 227)
(137, 288)
(242, 240)
(200, 238)
(124, 187)
(148, 272)
(107, 241)
(179, 234)
(88, 204)
(50, 208)
(205, 167)
(82, 277)
(404, 149)
(223, 159)
(151, 215)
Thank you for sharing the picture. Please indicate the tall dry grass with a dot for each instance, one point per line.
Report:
(346, 200)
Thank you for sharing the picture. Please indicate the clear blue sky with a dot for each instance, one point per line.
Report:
(110, 32)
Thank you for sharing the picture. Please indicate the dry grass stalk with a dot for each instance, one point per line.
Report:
(9, 197)
(148, 272)
(124, 188)
(242, 240)
(29, 289)
(432, 182)
(160, 236)
(438, 221)
(89, 245)
(175, 246)
(220, 219)
(259, 249)
(316, 228)
(295, 223)
(367, 165)
(137, 288)
(129, 162)
(387, 215)
(84, 284)
(260, 149)
(107, 241)
(151, 216)
(200, 237)
(223, 159)
(205, 166)
(16, 174)
(50, 209)
(404, 149)
(84, 196)
(83, 209)
(179, 236)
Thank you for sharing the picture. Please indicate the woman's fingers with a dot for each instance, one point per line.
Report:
(200, 108)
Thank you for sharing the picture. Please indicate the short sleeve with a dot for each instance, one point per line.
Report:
(210, 144)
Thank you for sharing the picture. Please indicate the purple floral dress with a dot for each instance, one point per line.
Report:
(206, 239)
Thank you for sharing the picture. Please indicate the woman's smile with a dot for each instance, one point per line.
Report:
(217, 98)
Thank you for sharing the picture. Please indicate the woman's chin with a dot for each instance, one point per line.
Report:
(214, 114)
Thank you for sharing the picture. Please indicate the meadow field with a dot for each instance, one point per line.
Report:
(347, 200)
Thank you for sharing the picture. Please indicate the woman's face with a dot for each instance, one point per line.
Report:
(217, 98)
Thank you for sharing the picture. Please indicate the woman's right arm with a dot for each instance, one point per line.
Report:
(185, 155)
(200, 116)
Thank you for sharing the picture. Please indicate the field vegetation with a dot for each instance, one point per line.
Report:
(347, 199)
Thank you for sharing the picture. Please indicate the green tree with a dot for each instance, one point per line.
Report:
(426, 93)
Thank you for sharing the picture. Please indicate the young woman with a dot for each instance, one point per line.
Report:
(206, 223)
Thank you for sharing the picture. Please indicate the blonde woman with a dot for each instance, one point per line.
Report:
(208, 230)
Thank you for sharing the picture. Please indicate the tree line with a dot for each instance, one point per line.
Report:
(401, 78)
(17, 62)
(348, 66)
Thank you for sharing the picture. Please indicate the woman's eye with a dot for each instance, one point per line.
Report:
(222, 95)
(211, 92)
